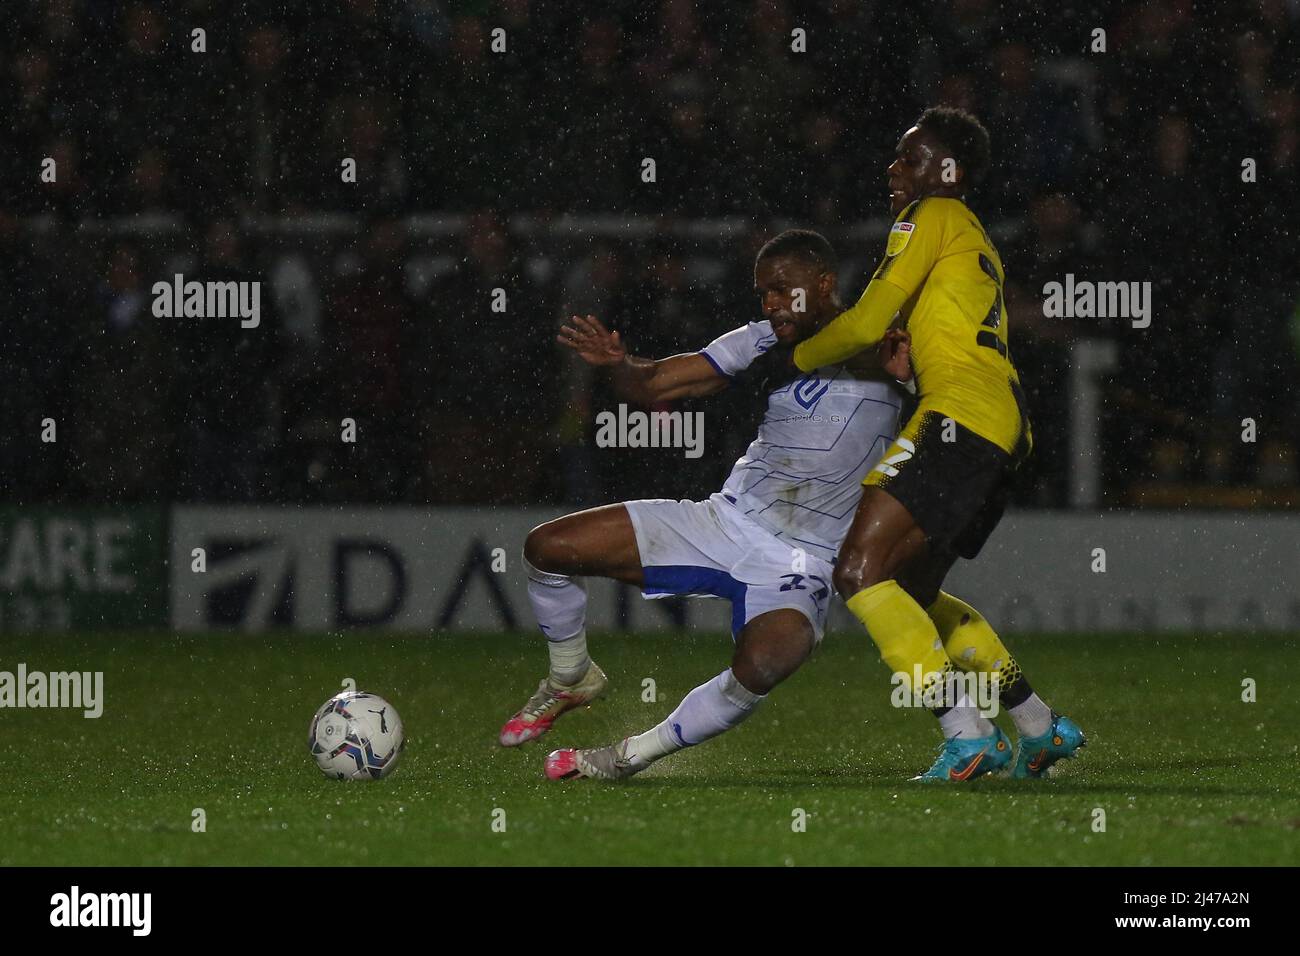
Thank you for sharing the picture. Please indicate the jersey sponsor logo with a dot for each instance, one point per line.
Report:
(809, 390)
(898, 237)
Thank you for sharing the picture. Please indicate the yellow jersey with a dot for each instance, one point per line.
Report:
(943, 277)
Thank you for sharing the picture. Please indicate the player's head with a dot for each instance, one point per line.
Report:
(944, 154)
(794, 276)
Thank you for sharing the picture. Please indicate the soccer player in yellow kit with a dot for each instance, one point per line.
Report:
(941, 488)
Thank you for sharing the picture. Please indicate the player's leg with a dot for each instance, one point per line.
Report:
(601, 542)
(959, 715)
(923, 490)
(970, 644)
(557, 555)
(973, 744)
(882, 541)
(770, 648)
(974, 646)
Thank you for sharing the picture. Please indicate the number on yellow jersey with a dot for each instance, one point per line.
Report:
(994, 318)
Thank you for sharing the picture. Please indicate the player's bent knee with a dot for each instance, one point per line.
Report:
(775, 648)
(759, 675)
(852, 575)
(546, 548)
(845, 580)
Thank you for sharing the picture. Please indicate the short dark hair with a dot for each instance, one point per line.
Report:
(963, 134)
(804, 244)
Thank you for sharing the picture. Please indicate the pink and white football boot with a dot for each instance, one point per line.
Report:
(602, 763)
(551, 700)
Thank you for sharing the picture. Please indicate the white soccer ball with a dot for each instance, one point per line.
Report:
(356, 736)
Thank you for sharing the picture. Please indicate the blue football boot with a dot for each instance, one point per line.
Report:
(1063, 739)
(967, 758)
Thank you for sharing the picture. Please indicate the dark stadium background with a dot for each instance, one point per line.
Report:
(521, 170)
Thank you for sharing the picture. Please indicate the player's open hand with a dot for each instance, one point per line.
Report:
(895, 354)
(592, 341)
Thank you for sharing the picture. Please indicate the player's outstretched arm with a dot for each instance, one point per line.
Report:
(640, 381)
(850, 332)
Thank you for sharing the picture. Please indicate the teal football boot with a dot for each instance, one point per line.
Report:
(968, 758)
(1036, 754)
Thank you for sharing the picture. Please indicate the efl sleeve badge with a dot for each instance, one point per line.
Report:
(898, 237)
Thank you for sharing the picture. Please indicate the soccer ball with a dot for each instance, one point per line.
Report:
(356, 736)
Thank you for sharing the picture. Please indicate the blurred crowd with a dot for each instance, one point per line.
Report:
(1171, 156)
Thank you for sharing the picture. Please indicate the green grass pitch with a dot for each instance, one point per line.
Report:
(1185, 771)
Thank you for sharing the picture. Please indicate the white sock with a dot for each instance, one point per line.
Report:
(560, 606)
(710, 709)
(1033, 717)
(965, 721)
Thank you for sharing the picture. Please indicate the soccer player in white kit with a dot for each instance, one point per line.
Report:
(765, 542)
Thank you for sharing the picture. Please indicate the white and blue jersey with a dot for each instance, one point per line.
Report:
(768, 540)
(801, 478)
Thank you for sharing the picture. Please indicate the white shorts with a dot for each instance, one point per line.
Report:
(709, 549)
